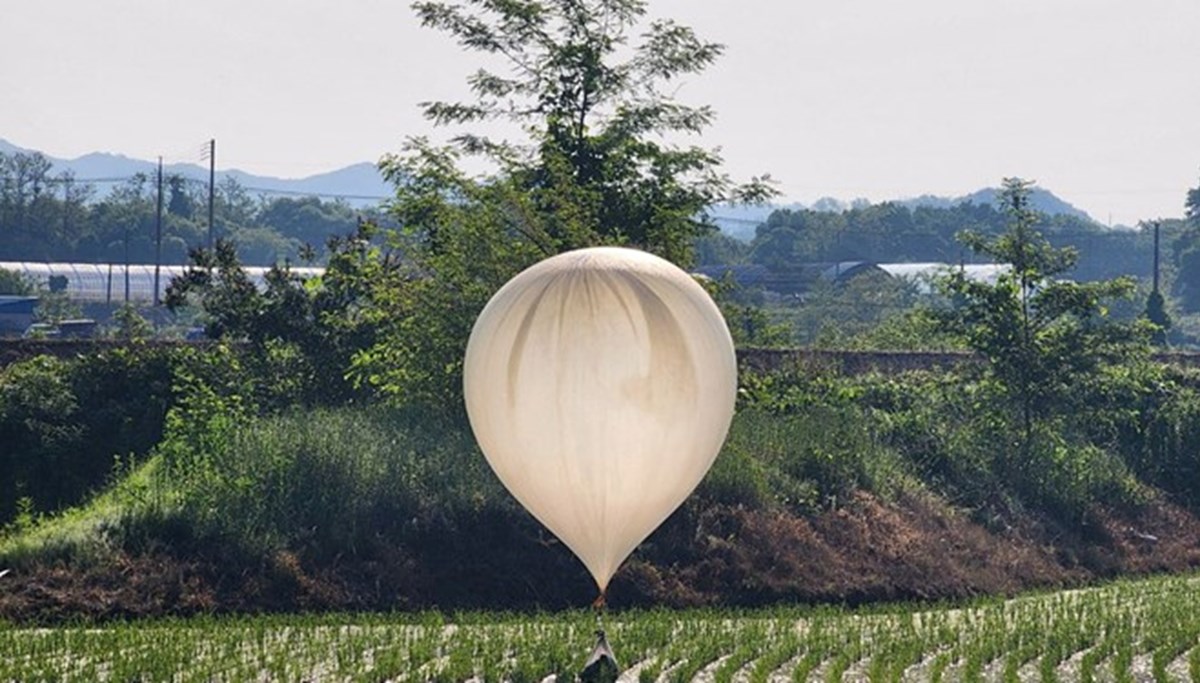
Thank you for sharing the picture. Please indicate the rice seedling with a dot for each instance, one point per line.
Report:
(1123, 631)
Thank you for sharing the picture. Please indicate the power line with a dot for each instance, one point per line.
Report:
(248, 188)
(302, 193)
(114, 179)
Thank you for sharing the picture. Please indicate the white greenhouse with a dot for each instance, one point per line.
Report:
(923, 274)
(109, 282)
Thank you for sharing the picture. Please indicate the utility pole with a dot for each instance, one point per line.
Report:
(212, 175)
(158, 232)
(127, 263)
(66, 204)
(1156, 223)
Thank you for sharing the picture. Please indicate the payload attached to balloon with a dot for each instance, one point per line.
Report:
(600, 384)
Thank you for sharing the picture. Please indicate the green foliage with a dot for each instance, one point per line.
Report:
(54, 307)
(65, 422)
(227, 295)
(130, 324)
(1158, 416)
(1192, 205)
(460, 246)
(1187, 283)
(301, 334)
(892, 233)
(14, 283)
(595, 108)
(1040, 336)
(831, 314)
(717, 248)
(38, 429)
(592, 170)
(1156, 314)
(307, 220)
(917, 329)
(951, 432)
(234, 480)
(753, 326)
(46, 217)
(806, 461)
(329, 482)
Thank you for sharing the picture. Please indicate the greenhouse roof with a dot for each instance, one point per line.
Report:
(106, 282)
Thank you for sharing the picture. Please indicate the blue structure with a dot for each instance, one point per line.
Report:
(16, 314)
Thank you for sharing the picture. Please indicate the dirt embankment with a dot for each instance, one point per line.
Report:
(915, 548)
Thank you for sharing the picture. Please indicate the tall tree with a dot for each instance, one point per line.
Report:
(1040, 334)
(1156, 313)
(599, 163)
(26, 205)
(1192, 205)
(180, 201)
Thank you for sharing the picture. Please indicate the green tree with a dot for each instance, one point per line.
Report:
(753, 327)
(593, 168)
(596, 167)
(180, 201)
(34, 222)
(307, 219)
(300, 333)
(229, 299)
(54, 307)
(1192, 205)
(233, 206)
(1040, 335)
(130, 324)
(834, 313)
(1187, 280)
(122, 224)
(15, 283)
(1156, 313)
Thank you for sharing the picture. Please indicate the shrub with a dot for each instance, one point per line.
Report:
(65, 423)
(329, 481)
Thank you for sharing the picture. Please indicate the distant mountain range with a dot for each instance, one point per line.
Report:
(361, 185)
(358, 184)
(741, 221)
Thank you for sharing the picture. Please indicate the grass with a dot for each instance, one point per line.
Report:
(80, 534)
(1107, 628)
(332, 481)
(262, 484)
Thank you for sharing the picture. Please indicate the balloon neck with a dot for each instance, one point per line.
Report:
(600, 602)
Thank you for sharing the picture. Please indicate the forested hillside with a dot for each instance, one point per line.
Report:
(50, 217)
(895, 233)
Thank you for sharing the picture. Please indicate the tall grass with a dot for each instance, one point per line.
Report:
(805, 461)
(329, 481)
(328, 478)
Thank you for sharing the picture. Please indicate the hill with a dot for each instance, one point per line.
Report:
(1042, 200)
(361, 184)
(741, 221)
(358, 184)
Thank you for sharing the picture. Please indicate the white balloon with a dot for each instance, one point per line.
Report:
(600, 384)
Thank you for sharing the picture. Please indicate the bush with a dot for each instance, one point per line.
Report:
(827, 435)
(65, 424)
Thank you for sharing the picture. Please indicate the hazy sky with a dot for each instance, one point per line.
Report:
(1097, 100)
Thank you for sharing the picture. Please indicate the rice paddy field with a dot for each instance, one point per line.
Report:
(1144, 630)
